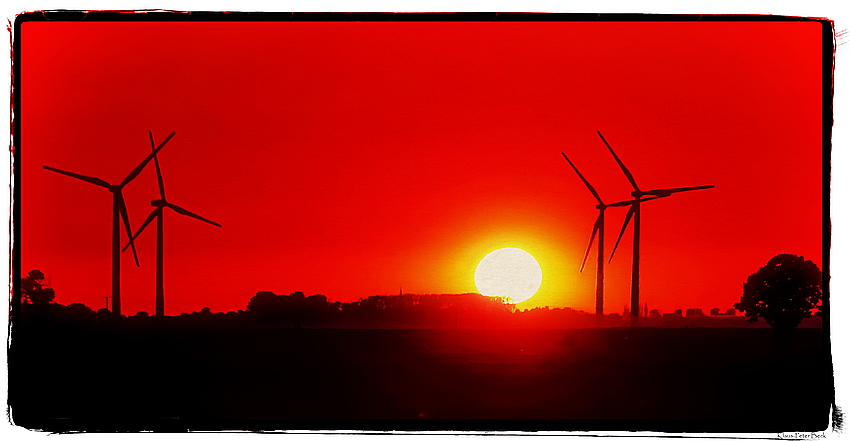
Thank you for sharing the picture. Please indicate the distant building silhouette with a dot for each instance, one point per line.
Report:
(694, 312)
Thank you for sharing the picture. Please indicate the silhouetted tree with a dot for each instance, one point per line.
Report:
(34, 290)
(296, 304)
(783, 292)
(105, 316)
(43, 296)
(266, 306)
(79, 309)
(80, 313)
(300, 308)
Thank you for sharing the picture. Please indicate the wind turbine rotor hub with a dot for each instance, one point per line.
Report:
(159, 203)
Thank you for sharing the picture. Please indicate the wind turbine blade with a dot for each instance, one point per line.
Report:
(596, 227)
(625, 203)
(186, 212)
(589, 187)
(158, 171)
(89, 179)
(669, 191)
(147, 221)
(141, 166)
(122, 207)
(655, 197)
(622, 166)
(622, 230)
(632, 201)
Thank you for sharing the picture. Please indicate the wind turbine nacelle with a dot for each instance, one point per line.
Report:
(158, 203)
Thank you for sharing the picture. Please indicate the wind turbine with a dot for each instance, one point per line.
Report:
(119, 208)
(158, 213)
(634, 210)
(599, 226)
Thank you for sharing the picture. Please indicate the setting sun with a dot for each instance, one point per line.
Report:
(510, 273)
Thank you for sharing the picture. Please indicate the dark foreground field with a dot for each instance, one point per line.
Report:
(696, 380)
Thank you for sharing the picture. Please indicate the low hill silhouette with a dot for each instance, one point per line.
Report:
(403, 311)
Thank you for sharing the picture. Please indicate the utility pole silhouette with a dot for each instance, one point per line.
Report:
(634, 211)
(599, 227)
(158, 213)
(119, 210)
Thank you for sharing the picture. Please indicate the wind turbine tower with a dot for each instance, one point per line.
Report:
(634, 211)
(119, 210)
(599, 226)
(158, 213)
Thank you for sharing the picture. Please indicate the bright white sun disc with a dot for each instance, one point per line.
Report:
(508, 272)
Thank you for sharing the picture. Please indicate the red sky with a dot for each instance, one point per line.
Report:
(353, 159)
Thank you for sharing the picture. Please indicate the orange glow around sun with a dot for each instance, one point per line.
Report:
(561, 285)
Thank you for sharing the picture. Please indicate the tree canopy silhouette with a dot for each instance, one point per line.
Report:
(267, 306)
(34, 289)
(783, 292)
